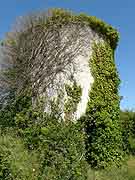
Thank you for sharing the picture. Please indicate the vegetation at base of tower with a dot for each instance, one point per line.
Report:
(16, 162)
(127, 120)
(102, 122)
(39, 146)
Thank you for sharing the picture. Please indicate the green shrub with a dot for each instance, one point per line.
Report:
(9, 112)
(127, 119)
(58, 146)
(62, 153)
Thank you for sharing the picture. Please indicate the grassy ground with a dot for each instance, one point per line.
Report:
(126, 172)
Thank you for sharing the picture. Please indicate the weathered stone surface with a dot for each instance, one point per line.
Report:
(78, 70)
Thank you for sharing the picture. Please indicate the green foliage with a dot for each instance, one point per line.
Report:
(62, 153)
(74, 96)
(15, 161)
(127, 119)
(58, 147)
(125, 172)
(62, 17)
(10, 112)
(113, 173)
(102, 116)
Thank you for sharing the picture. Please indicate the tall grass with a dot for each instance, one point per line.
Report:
(16, 159)
(126, 172)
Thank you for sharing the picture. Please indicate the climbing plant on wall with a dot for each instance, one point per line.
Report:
(102, 114)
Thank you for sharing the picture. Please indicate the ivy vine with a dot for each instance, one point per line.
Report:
(102, 115)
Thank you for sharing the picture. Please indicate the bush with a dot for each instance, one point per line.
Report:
(58, 146)
(127, 119)
(62, 152)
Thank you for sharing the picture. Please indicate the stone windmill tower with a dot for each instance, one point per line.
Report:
(58, 55)
(68, 61)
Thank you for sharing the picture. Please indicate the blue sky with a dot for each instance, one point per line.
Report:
(118, 13)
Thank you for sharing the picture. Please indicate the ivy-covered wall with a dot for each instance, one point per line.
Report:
(101, 120)
(102, 114)
(70, 58)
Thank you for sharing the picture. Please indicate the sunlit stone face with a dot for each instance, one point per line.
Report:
(85, 79)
